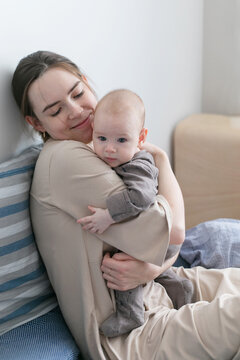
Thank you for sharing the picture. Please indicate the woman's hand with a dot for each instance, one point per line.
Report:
(123, 272)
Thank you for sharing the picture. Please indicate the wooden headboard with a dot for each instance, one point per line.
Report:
(207, 166)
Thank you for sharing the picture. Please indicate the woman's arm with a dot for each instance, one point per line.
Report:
(78, 178)
(123, 272)
(170, 189)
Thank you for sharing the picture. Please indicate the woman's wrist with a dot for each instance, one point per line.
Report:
(161, 156)
(153, 149)
(152, 272)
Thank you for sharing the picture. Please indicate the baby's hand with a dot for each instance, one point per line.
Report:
(98, 222)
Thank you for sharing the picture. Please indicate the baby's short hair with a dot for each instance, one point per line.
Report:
(123, 100)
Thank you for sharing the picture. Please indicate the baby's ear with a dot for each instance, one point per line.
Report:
(142, 136)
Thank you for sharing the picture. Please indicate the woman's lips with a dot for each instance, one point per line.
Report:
(82, 123)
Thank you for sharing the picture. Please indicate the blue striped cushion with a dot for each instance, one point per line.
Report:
(25, 291)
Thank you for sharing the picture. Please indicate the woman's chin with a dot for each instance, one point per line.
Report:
(85, 137)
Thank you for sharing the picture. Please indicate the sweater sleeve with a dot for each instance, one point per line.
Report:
(76, 178)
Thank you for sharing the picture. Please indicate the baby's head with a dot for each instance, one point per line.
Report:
(118, 126)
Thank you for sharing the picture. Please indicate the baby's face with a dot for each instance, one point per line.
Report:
(115, 138)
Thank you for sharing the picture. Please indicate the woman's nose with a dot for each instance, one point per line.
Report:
(75, 110)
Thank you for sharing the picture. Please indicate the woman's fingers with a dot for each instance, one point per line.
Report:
(123, 272)
(122, 256)
(116, 271)
(114, 286)
(109, 263)
(113, 280)
(110, 276)
(109, 268)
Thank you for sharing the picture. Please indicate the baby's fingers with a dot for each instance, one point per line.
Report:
(90, 227)
(92, 208)
(84, 220)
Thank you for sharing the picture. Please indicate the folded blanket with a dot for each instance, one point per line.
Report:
(213, 244)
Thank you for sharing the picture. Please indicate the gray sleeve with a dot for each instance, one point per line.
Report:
(141, 178)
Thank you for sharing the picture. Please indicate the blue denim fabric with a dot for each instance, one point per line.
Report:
(181, 262)
(213, 244)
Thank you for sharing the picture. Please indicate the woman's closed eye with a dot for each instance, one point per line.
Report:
(57, 112)
(77, 96)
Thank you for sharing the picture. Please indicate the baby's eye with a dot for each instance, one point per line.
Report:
(122, 140)
(102, 138)
(57, 112)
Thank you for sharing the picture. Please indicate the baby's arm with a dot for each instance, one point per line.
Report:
(98, 222)
(140, 177)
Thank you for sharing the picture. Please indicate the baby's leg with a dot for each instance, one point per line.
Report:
(179, 289)
(129, 313)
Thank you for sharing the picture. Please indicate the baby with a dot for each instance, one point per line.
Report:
(118, 133)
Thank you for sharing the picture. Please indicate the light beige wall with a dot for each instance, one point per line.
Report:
(221, 57)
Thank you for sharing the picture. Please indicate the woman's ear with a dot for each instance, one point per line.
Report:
(35, 123)
(142, 136)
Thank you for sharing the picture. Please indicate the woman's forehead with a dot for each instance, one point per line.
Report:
(52, 86)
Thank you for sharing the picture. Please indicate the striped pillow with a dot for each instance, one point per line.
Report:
(25, 291)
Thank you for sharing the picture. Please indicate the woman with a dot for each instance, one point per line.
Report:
(56, 99)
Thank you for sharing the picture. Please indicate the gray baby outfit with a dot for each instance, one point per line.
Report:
(140, 176)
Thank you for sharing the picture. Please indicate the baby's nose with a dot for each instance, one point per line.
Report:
(110, 148)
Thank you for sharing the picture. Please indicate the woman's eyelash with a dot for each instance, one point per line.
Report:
(57, 112)
(79, 95)
(75, 97)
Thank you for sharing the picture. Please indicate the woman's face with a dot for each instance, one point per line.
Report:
(63, 105)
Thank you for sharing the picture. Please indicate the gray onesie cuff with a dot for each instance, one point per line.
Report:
(172, 250)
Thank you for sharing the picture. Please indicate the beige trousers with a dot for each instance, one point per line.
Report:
(209, 328)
